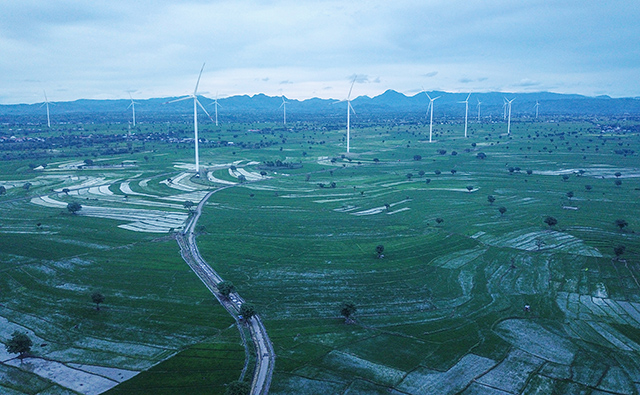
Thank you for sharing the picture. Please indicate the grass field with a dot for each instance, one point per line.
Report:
(441, 312)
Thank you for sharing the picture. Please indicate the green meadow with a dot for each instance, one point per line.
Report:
(441, 311)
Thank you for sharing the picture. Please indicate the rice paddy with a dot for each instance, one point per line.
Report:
(441, 311)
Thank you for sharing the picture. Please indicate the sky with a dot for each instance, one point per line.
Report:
(78, 49)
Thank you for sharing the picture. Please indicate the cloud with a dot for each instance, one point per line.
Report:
(526, 82)
(430, 74)
(285, 82)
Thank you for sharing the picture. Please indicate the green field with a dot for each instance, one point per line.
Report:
(442, 312)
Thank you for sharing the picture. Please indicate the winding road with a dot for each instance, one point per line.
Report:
(265, 356)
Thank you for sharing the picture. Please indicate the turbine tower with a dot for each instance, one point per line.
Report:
(133, 108)
(537, 105)
(466, 113)
(284, 109)
(479, 102)
(508, 103)
(349, 109)
(46, 103)
(196, 103)
(504, 108)
(431, 118)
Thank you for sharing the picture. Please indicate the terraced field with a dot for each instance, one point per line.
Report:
(442, 312)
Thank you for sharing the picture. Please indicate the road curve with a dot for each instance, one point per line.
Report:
(265, 356)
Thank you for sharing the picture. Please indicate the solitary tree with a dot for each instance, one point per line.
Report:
(379, 250)
(247, 310)
(502, 210)
(226, 288)
(621, 223)
(550, 221)
(189, 205)
(619, 250)
(3, 190)
(238, 388)
(540, 243)
(491, 199)
(469, 188)
(347, 310)
(570, 194)
(409, 175)
(74, 207)
(453, 171)
(66, 190)
(26, 185)
(19, 344)
(529, 172)
(264, 174)
(242, 178)
(439, 220)
(588, 187)
(565, 177)
(618, 182)
(617, 174)
(97, 298)
(437, 172)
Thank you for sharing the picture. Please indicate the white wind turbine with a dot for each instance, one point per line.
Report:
(431, 117)
(284, 109)
(466, 113)
(349, 109)
(196, 103)
(216, 104)
(479, 102)
(504, 108)
(46, 103)
(508, 103)
(133, 108)
(537, 105)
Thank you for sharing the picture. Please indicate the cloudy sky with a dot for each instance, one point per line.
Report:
(311, 48)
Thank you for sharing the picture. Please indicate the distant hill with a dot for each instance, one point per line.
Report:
(261, 107)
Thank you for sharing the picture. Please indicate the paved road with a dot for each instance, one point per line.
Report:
(265, 356)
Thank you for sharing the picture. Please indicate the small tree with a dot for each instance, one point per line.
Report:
(481, 155)
(3, 189)
(409, 175)
(27, 185)
(74, 207)
(242, 178)
(540, 243)
(491, 199)
(66, 191)
(238, 388)
(565, 177)
(551, 221)
(189, 205)
(453, 171)
(439, 220)
(264, 174)
(619, 250)
(502, 210)
(97, 298)
(570, 194)
(226, 288)
(437, 172)
(428, 180)
(247, 310)
(347, 310)
(417, 157)
(621, 223)
(19, 344)
(618, 182)
(588, 187)
(469, 188)
(617, 174)
(529, 172)
(379, 250)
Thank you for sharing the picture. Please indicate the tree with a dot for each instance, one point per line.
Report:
(570, 194)
(428, 180)
(19, 344)
(66, 190)
(387, 206)
(481, 155)
(453, 171)
(437, 172)
(409, 175)
(421, 173)
(376, 160)
(617, 174)
(189, 205)
(619, 250)
(238, 388)
(242, 178)
(565, 177)
(379, 250)
(540, 243)
(469, 188)
(417, 157)
(27, 185)
(264, 174)
(247, 310)
(502, 210)
(226, 288)
(588, 187)
(74, 207)
(529, 172)
(618, 182)
(551, 221)
(88, 162)
(621, 223)
(439, 220)
(97, 298)
(347, 310)
(491, 199)
(3, 190)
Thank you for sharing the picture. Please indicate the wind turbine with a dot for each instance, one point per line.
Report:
(349, 109)
(466, 113)
(479, 102)
(508, 103)
(133, 107)
(430, 108)
(284, 109)
(537, 105)
(216, 104)
(46, 103)
(196, 103)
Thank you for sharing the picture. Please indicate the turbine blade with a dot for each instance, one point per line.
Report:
(353, 82)
(351, 108)
(45, 96)
(468, 96)
(203, 109)
(195, 91)
(425, 92)
(436, 98)
(178, 99)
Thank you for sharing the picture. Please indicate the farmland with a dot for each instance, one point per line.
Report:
(442, 310)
